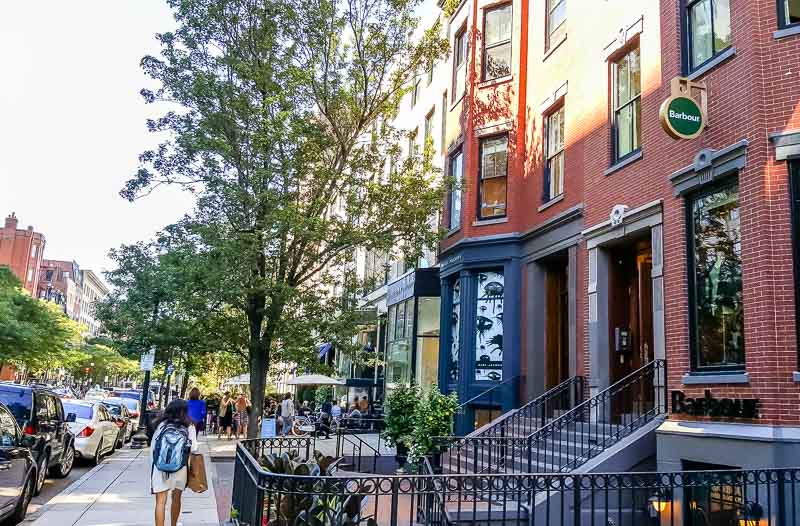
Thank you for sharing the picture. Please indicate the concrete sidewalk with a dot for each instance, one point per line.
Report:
(117, 493)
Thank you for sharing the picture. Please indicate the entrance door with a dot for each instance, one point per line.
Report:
(556, 324)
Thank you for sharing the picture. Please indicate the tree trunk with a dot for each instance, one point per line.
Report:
(258, 359)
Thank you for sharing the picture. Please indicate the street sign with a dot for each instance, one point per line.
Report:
(681, 116)
(147, 361)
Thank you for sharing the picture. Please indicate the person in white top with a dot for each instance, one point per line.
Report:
(175, 417)
(287, 413)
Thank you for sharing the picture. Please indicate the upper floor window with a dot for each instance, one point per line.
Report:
(556, 21)
(415, 93)
(460, 47)
(456, 177)
(65, 275)
(430, 74)
(497, 42)
(33, 250)
(788, 12)
(412, 142)
(715, 279)
(429, 127)
(493, 177)
(30, 274)
(709, 30)
(626, 95)
(554, 146)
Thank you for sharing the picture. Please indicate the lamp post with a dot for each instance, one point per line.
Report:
(139, 440)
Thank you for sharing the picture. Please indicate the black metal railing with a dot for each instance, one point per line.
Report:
(533, 415)
(689, 498)
(594, 425)
(360, 455)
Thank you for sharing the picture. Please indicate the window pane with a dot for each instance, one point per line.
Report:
(635, 72)
(428, 317)
(494, 157)
(493, 197)
(719, 313)
(498, 25)
(700, 32)
(556, 167)
(791, 11)
(497, 62)
(489, 327)
(624, 131)
(409, 317)
(622, 80)
(557, 14)
(427, 361)
(399, 362)
(555, 132)
(722, 24)
(400, 324)
(456, 172)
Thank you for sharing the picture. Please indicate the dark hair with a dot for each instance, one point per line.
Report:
(177, 412)
(194, 394)
(287, 396)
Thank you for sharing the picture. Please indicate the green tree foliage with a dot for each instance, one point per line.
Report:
(33, 333)
(278, 122)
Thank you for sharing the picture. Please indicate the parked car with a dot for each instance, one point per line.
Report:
(95, 394)
(134, 409)
(65, 392)
(95, 431)
(40, 415)
(17, 470)
(119, 412)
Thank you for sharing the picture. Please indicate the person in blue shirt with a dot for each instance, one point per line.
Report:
(197, 410)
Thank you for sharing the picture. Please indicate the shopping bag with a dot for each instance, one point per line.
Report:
(197, 481)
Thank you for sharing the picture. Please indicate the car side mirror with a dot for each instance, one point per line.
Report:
(27, 441)
(71, 417)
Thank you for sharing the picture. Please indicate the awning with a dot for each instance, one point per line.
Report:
(242, 379)
(314, 379)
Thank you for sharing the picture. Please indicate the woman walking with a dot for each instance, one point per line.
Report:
(197, 410)
(226, 415)
(174, 439)
(242, 415)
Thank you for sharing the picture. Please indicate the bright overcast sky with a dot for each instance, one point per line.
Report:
(72, 123)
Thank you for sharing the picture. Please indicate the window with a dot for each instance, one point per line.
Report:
(427, 351)
(49, 275)
(33, 250)
(455, 325)
(489, 327)
(30, 274)
(554, 168)
(627, 84)
(493, 175)
(708, 29)
(497, 42)
(460, 47)
(715, 279)
(415, 93)
(412, 142)
(399, 335)
(788, 12)
(8, 429)
(556, 22)
(794, 178)
(456, 176)
(65, 275)
(429, 127)
(430, 74)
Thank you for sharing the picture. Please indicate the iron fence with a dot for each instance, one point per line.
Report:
(688, 498)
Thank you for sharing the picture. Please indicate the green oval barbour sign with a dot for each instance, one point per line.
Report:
(682, 117)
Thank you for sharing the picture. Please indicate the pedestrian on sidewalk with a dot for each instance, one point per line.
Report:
(287, 413)
(242, 416)
(173, 441)
(226, 410)
(197, 410)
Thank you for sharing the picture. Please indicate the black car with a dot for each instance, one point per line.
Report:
(122, 418)
(17, 470)
(41, 417)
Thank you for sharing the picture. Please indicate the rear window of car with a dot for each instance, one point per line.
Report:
(130, 404)
(113, 409)
(128, 395)
(19, 402)
(81, 411)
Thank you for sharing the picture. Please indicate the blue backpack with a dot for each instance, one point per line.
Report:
(171, 450)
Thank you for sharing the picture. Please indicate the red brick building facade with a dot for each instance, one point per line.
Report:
(697, 264)
(21, 250)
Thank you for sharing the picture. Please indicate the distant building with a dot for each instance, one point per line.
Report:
(92, 291)
(61, 282)
(21, 250)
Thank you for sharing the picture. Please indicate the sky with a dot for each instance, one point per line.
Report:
(72, 123)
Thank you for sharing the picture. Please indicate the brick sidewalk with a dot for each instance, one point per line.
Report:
(117, 493)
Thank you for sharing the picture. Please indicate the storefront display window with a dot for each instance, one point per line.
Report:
(427, 364)
(401, 320)
(489, 327)
(455, 326)
(716, 279)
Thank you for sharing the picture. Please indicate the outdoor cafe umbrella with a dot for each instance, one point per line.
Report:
(314, 379)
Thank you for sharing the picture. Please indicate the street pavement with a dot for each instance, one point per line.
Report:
(117, 493)
(53, 487)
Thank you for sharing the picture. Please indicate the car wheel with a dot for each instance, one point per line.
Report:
(63, 469)
(98, 455)
(25, 499)
(41, 474)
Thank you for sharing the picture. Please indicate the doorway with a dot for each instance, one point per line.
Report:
(630, 307)
(556, 320)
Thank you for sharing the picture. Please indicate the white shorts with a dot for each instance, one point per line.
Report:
(160, 481)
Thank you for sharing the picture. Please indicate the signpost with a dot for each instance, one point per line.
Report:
(139, 440)
(147, 361)
(681, 116)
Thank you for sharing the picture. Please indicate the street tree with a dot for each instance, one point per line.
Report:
(278, 120)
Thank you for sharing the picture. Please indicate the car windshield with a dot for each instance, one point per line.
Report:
(113, 409)
(132, 405)
(18, 401)
(129, 395)
(81, 411)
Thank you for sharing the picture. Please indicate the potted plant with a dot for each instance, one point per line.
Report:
(433, 417)
(401, 403)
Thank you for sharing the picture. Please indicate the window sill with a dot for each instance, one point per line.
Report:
(717, 378)
(786, 32)
(552, 49)
(453, 231)
(624, 162)
(484, 222)
(556, 199)
(713, 63)
(495, 82)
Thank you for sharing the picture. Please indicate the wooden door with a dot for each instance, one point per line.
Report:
(556, 327)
